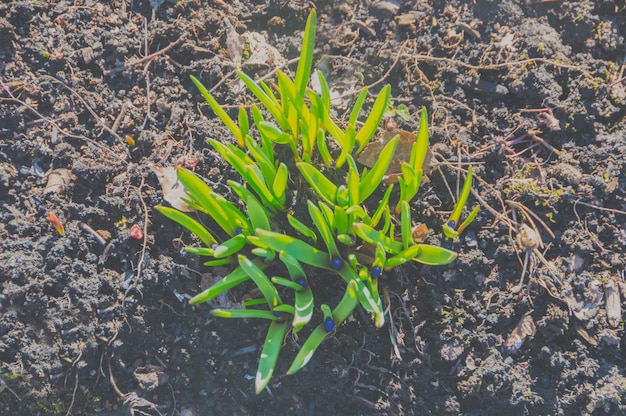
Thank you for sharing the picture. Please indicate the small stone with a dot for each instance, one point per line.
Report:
(87, 55)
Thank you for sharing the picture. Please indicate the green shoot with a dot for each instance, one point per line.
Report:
(451, 227)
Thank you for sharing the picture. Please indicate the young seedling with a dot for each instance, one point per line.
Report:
(452, 228)
(412, 172)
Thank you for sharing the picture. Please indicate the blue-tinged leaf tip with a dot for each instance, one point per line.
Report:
(336, 263)
(329, 325)
(376, 272)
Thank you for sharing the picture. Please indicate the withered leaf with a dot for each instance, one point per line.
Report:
(173, 191)
(613, 303)
(370, 154)
(524, 329)
(420, 233)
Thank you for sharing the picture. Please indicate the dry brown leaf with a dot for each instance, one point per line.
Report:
(613, 303)
(525, 328)
(420, 233)
(261, 52)
(173, 191)
(371, 153)
(58, 181)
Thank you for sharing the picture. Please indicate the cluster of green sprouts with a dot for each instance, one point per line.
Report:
(339, 223)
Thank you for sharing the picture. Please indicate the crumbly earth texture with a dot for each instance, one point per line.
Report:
(96, 97)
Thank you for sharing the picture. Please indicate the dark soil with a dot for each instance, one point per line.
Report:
(104, 327)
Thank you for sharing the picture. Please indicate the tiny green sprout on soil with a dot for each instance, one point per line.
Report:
(347, 228)
(452, 228)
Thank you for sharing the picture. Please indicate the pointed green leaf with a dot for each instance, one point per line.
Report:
(373, 120)
(189, 223)
(420, 148)
(242, 192)
(372, 236)
(266, 165)
(382, 205)
(267, 255)
(306, 54)
(234, 278)
(208, 200)
(286, 282)
(341, 220)
(302, 228)
(472, 215)
(219, 262)
(261, 280)
(340, 314)
(244, 313)
(405, 223)
(404, 256)
(324, 188)
(244, 123)
(230, 246)
(269, 354)
(279, 186)
(353, 186)
(356, 108)
(296, 248)
(200, 251)
(369, 183)
(269, 101)
(322, 147)
(458, 208)
(219, 111)
(257, 214)
(321, 223)
(434, 255)
(304, 295)
(347, 147)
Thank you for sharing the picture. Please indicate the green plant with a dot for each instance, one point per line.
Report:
(263, 234)
(452, 228)
(400, 110)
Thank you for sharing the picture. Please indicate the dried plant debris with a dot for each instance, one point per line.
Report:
(613, 303)
(371, 153)
(452, 350)
(173, 191)
(525, 328)
(59, 180)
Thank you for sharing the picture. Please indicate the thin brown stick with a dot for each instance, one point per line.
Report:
(613, 210)
(69, 409)
(4, 385)
(528, 213)
(54, 123)
(146, 74)
(147, 58)
(88, 107)
(144, 244)
(393, 65)
(428, 58)
(93, 232)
